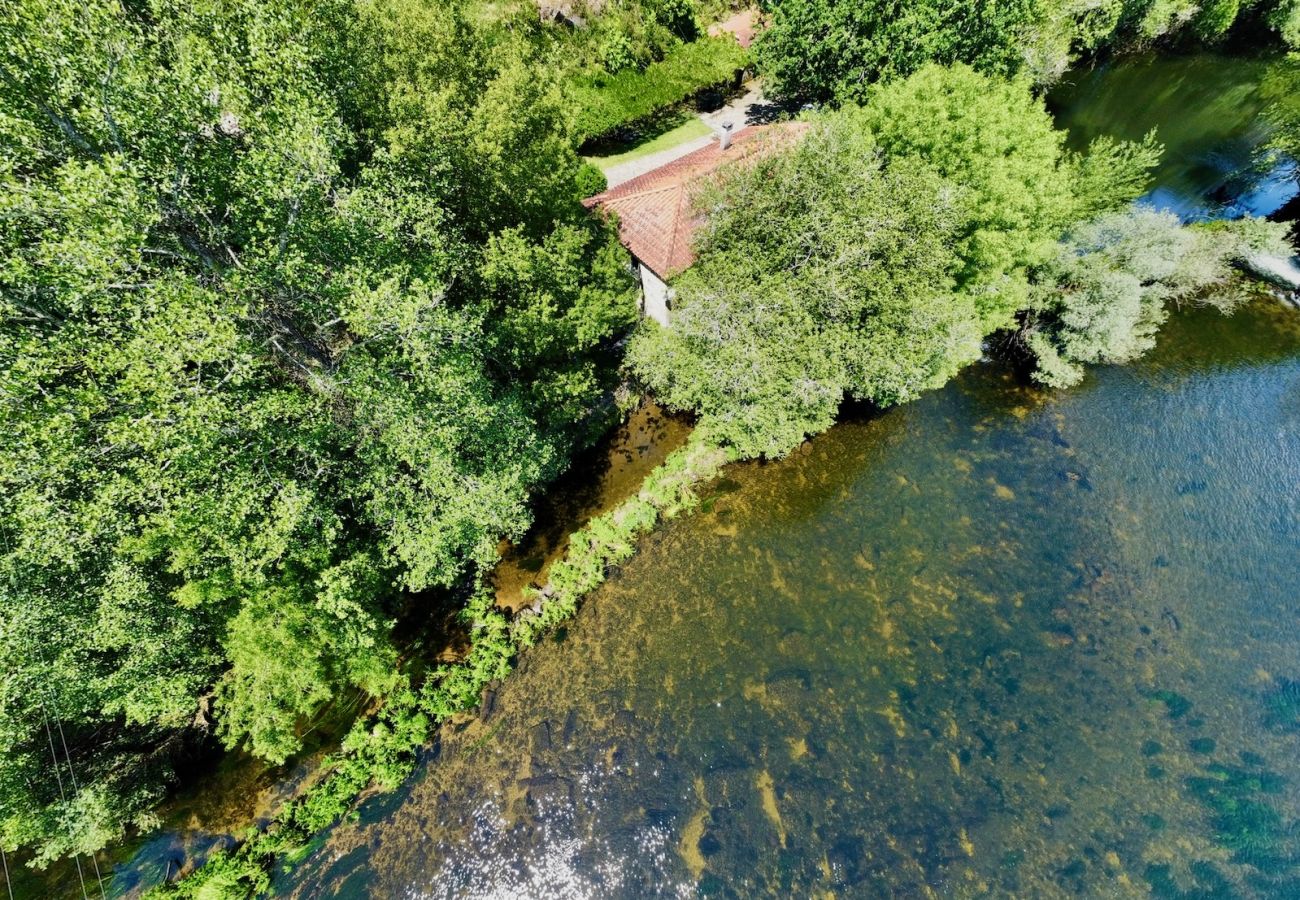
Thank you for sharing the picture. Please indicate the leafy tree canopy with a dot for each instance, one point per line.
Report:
(835, 49)
(297, 304)
(1108, 289)
(870, 260)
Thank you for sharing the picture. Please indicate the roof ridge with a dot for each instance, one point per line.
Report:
(641, 193)
(658, 226)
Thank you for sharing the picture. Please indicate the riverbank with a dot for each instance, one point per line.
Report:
(379, 753)
(1001, 640)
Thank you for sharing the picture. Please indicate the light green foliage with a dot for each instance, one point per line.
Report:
(824, 273)
(297, 304)
(831, 49)
(1285, 19)
(1215, 17)
(1107, 292)
(996, 145)
(1112, 174)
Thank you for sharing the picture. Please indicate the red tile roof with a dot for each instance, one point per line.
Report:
(657, 220)
(744, 25)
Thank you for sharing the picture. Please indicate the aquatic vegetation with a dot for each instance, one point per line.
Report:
(610, 539)
(1207, 883)
(1282, 706)
(1176, 705)
(1243, 821)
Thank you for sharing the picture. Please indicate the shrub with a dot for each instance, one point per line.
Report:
(606, 102)
(381, 750)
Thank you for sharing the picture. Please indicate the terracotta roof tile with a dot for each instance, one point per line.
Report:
(656, 219)
(744, 25)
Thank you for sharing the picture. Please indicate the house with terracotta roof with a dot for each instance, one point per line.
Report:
(656, 214)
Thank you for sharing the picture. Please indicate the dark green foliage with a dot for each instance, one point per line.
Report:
(1244, 823)
(605, 102)
(834, 49)
(297, 305)
(1282, 706)
(1176, 705)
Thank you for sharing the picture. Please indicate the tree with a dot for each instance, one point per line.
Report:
(997, 148)
(822, 274)
(297, 306)
(1106, 293)
(835, 49)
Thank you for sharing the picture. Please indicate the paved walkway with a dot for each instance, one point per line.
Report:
(748, 109)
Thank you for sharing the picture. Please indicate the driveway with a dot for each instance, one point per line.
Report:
(750, 108)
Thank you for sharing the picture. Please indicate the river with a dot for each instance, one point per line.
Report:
(1000, 641)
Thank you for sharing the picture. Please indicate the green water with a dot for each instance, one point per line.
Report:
(1212, 114)
(1000, 641)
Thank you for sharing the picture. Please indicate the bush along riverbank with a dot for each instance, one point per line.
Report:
(381, 751)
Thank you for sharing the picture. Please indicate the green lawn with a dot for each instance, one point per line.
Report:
(689, 130)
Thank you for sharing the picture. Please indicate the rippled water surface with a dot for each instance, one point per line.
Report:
(997, 641)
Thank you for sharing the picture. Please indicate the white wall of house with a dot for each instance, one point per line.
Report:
(656, 296)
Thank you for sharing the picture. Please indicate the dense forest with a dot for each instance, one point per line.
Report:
(299, 307)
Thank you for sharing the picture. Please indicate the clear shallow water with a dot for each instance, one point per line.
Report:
(1209, 111)
(998, 641)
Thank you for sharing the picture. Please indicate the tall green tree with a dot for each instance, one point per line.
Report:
(836, 49)
(870, 261)
(297, 305)
(1113, 281)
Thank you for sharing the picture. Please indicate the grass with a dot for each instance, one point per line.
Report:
(693, 127)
